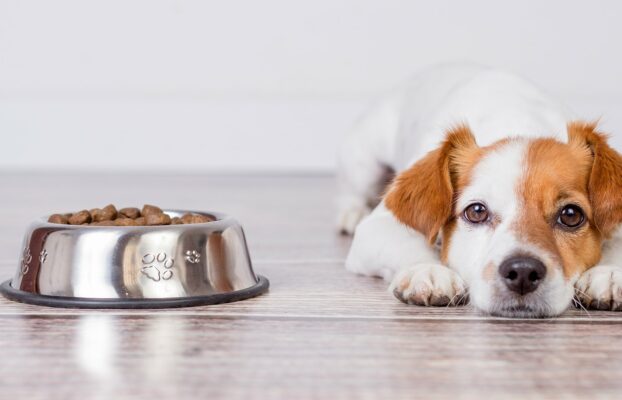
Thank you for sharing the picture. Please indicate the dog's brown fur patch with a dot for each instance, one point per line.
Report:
(605, 180)
(421, 197)
(556, 174)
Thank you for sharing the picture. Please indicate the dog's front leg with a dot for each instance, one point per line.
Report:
(382, 246)
(600, 287)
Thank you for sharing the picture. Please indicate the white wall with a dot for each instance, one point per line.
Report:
(264, 85)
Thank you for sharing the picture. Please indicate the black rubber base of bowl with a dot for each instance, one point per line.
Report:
(84, 302)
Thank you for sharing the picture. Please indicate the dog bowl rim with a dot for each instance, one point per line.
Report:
(220, 218)
(21, 296)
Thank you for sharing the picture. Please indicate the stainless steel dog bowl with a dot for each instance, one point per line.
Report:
(135, 266)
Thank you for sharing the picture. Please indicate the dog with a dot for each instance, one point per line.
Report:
(499, 197)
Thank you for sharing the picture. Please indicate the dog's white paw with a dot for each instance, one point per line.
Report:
(349, 218)
(600, 287)
(429, 285)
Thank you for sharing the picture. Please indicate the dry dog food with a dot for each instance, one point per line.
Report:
(129, 216)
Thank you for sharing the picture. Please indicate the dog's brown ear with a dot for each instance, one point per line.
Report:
(605, 180)
(422, 196)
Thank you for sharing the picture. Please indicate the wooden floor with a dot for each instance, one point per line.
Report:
(320, 332)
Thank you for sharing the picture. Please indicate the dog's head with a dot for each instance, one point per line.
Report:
(520, 219)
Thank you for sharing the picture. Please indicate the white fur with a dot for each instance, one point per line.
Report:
(473, 246)
(411, 122)
(601, 287)
(383, 245)
(429, 284)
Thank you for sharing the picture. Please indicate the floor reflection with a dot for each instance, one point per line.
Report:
(96, 345)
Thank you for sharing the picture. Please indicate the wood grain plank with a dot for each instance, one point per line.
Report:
(105, 356)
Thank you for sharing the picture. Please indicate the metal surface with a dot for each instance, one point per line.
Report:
(141, 263)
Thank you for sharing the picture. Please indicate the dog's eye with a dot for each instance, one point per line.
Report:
(476, 213)
(571, 216)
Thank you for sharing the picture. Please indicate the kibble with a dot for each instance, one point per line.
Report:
(79, 218)
(58, 219)
(157, 219)
(125, 222)
(149, 215)
(195, 218)
(186, 218)
(149, 209)
(103, 223)
(200, 219)
(108, 213)
(130, 212)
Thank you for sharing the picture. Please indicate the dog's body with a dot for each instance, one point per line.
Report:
(480, 211)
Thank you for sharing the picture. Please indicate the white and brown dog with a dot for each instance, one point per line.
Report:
(513, 204)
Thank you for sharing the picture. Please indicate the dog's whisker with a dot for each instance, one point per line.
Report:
(451, 301)
(462, 298)
(587, 296)
(578, 302)
(457, 302)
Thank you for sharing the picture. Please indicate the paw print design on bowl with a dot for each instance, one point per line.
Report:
(43, 256)
(157, 266)
(26, 259)
(193, 256)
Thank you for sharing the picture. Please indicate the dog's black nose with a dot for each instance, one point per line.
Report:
(522, 274)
